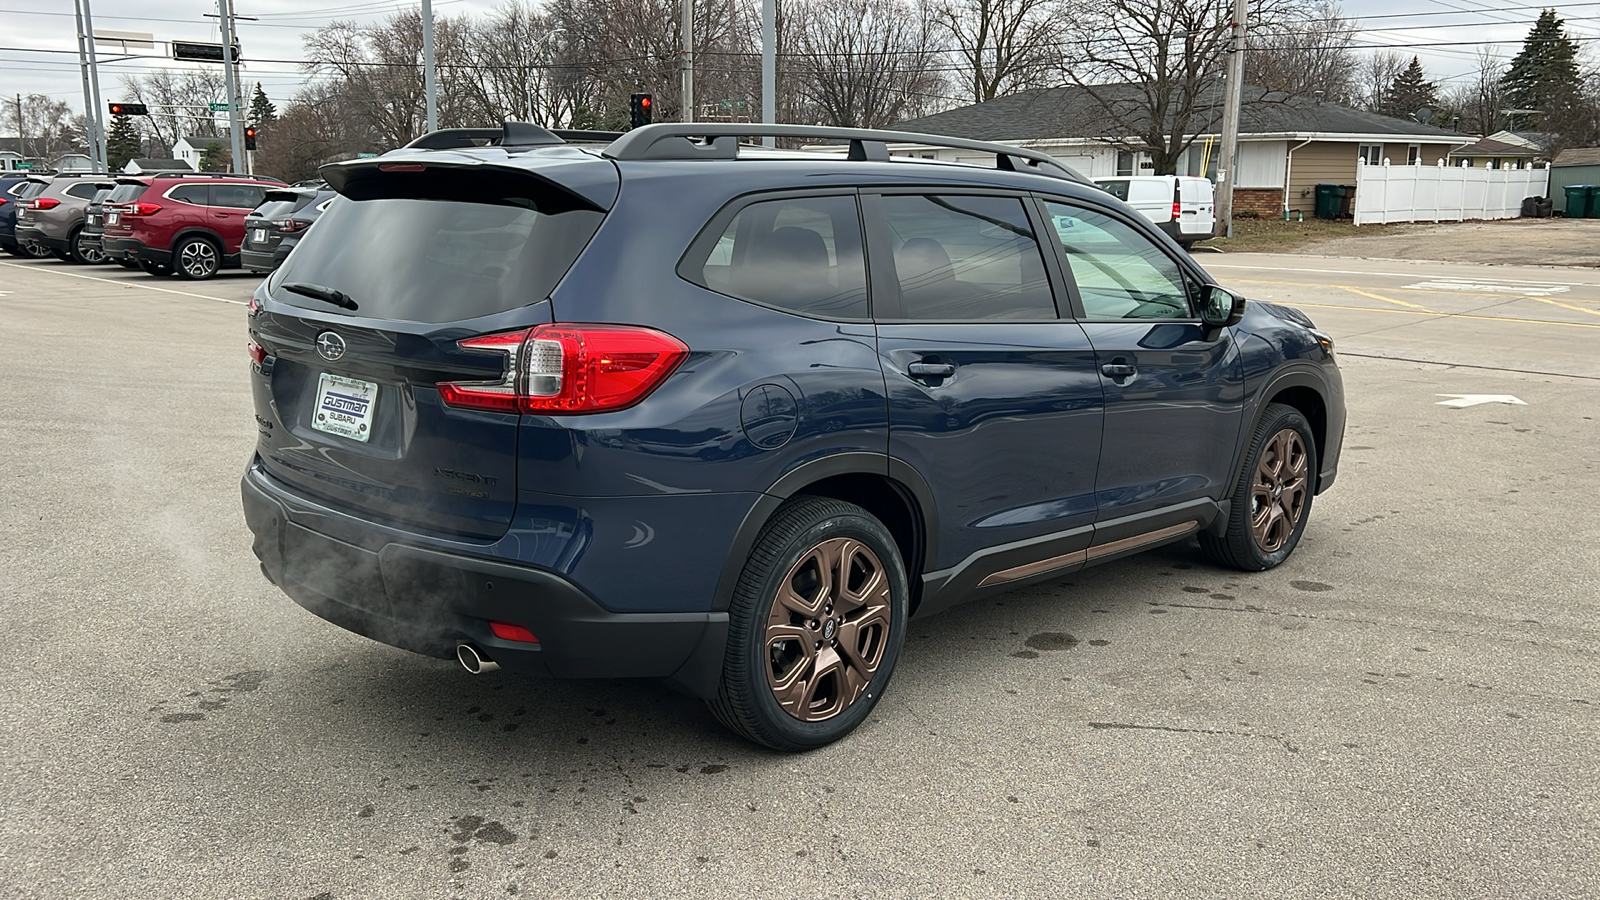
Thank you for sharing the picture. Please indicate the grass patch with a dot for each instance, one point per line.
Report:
(1273, 235)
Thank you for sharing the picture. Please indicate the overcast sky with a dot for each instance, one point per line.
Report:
(275, 36)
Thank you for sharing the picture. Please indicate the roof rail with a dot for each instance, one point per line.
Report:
(674, 140)
(509, 134)
(200, 175)
(579, 135)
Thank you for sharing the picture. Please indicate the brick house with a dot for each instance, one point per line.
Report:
(1287, 145)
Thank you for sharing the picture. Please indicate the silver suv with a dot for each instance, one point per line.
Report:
(53, 218)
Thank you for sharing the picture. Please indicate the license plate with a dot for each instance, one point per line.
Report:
(344, 406)
(111, 218)
(259, 236)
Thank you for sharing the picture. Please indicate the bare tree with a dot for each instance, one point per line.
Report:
(1001, 46)
(862, 63)
(1478, 101)
(178, 100)
(45, 126)
(1308, 51)
(1376, 74)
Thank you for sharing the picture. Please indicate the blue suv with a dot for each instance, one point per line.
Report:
(679, 407)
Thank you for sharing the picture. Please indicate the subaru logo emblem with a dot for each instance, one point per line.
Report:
(330, 346)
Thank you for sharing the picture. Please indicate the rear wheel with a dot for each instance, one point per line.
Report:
(816, 626)
(88, 254)
(197, 259)
(1272, 501)
(35, 250)
(160, 270)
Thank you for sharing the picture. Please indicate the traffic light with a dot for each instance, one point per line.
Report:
(640, 109)
(129, 109)
(249, 137)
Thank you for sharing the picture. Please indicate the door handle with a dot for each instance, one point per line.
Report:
(1118, 370)
(931, 370)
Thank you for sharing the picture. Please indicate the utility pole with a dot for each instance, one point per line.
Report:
(88, 96)
(99, 127)
(20, 148)
(430, 81)
(769, 66)
(688, 61)
(1228, 161)
(231, 78)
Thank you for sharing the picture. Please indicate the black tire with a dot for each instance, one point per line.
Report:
(1258, 535)
(127, 263)
(196, 259)
(801, 532)
(13, 249)
(160, 270)
(88, 256)
(62, 255)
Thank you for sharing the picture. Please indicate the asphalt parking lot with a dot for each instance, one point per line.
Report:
(1409, 707)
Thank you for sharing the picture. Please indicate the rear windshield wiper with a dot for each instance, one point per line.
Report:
(318, 292)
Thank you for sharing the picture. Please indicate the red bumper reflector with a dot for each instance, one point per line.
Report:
(506, 631)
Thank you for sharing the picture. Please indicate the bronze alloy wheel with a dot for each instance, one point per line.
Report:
(1278, 495)
(827, 629)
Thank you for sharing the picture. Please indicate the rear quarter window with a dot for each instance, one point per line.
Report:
(800, 254)
(83, 191)
(198, 194)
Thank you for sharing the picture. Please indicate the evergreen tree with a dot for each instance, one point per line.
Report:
(216, 158)
(1544, 76)
(122, 143)
(261, 109)
(1409, 92)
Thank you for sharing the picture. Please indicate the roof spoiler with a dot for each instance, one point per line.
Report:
(509, 134)
(720, 140)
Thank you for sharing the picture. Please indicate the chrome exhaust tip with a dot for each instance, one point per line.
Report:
(474, 660)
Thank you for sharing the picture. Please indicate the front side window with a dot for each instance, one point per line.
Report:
(801, 254)
(1120, 273)
(962, 258)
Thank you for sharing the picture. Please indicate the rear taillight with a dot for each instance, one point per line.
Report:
(1177, 209)
(289, 226)
(141, 209)
(43, 203)
(506, 631)
(4, 201)
(258, 353)
(569, 369)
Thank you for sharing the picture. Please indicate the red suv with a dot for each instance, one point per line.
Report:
(191, 224)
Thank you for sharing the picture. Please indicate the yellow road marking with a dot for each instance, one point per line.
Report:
(1356, 290)
(1582, 309)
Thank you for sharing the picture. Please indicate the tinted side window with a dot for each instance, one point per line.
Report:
(1120, 273)
(1117, 189)
(802, 254)
(83, 191)
(962, 258)
(192, 193)
(236, 196)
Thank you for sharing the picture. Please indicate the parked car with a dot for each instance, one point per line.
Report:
(590, 411)
(53, 217)
(94, 221)
(185, 223)
(14, 191)
(275, 226)
(1184, 206)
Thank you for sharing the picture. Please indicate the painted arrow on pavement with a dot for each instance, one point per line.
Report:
(1462, 401)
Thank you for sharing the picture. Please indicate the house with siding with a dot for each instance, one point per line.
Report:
(1287, 145)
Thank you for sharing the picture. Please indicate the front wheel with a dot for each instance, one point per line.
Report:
(815, 627)
(1272, 501)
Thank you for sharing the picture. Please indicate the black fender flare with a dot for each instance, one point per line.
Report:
(860, 462)
(1295, 374)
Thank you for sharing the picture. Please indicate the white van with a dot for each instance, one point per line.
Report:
(1183, 206)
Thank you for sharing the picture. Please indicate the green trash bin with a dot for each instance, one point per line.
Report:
(1578, 197)
(1330, 200)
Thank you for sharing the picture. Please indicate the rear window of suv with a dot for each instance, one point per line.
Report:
(282, 204)
(503, 244)
(126, 193)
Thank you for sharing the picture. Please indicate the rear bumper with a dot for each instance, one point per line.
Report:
(135, 249)
(428, 601)
(264, 261)
(38, 236)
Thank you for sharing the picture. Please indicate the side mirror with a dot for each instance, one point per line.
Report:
(1220, 308)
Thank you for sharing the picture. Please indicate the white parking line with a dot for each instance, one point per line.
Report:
(1308, 270)
(148, 287)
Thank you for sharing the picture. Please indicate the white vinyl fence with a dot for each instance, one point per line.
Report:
(1386, 193)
